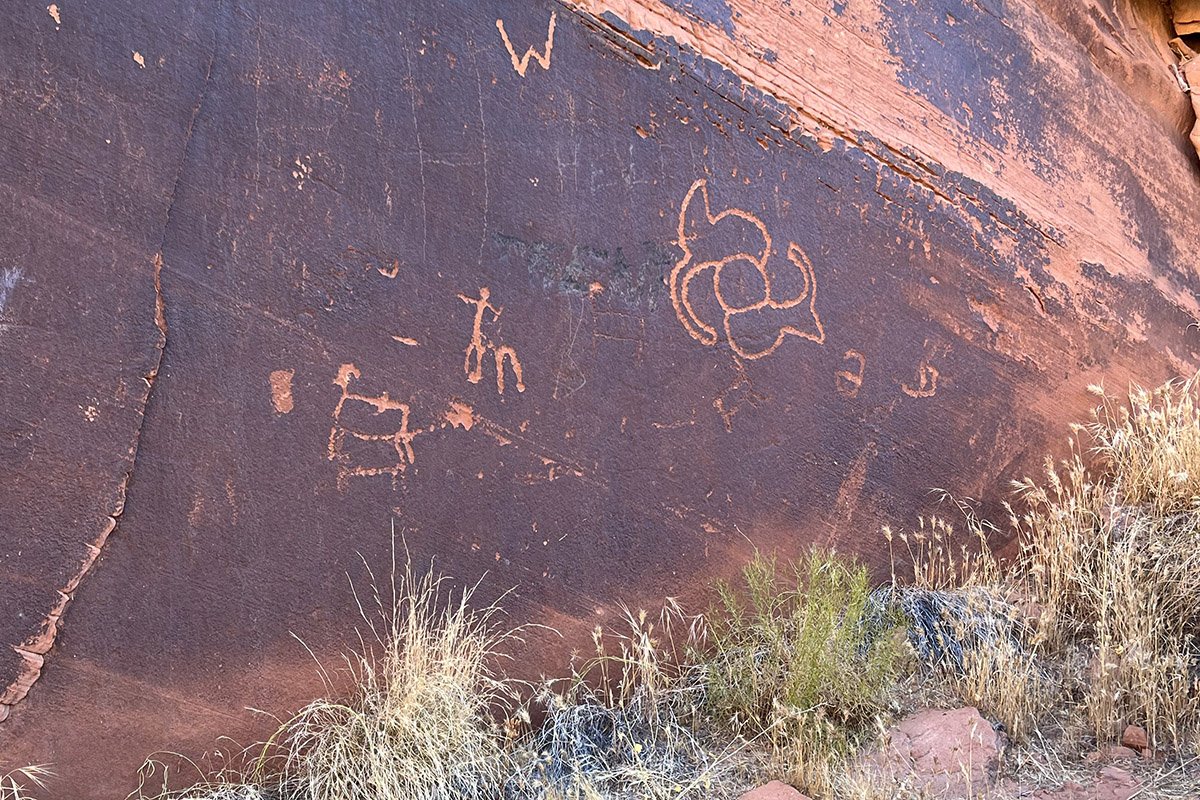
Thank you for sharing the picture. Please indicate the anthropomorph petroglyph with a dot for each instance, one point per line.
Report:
(520, 65)
(480, 345)
(727, 282)
(370, 434)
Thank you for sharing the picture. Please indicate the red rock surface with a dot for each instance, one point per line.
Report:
(938, 753)
(590, 298)
(1135, 738)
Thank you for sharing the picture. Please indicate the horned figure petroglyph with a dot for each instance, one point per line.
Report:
(365, 445)
(479, 345)
(756, 302)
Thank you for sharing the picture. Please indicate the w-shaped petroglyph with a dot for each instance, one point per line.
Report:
(370, 434)
(725, 281)
(522, 64)
(480, 344)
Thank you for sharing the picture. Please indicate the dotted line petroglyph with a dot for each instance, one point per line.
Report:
(301, 171)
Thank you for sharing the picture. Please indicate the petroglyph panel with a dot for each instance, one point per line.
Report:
(587, 300)
(370, 434)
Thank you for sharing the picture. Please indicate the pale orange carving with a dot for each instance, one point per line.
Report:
(927, 380)
(480, 344)
(792, 316)
(849, 382)
(399, 453)
(460, 415)
(386, 266)
(281, 390)
(738, 394)
(520, 65)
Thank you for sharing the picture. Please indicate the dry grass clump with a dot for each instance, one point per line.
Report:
(806, 659)
(1112, 555)
(221, 777)
(973, 642)
(218, 786)
(17, 784)
(1096, 623)
(628, 724)
(420, 724)
(967, 626)
(211, 790)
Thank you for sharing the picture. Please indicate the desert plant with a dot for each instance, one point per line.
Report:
(221, 776)
(966, 624)
(219, 791)
(420, 723)
(18, 783)
(627, 723)
(806, 659)
(1111, 551)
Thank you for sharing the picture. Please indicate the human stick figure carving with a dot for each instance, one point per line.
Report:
(520, 65)
(365, 447)
(480, 345)
(725, 278)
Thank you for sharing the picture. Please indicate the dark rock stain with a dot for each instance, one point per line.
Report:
(714, 12)
(971, 65)
(635, 275)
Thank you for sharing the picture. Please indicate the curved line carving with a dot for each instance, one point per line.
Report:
(687, 270)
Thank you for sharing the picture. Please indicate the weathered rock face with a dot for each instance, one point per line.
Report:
(585, 296)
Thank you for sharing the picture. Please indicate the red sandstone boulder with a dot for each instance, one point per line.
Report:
(1135, 738)
(938, 753)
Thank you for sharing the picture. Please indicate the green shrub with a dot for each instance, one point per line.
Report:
(805, 658)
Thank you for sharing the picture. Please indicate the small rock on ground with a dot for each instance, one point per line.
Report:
(938, 753)
(775, 790)
(1113, 783)
(1135, 738)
